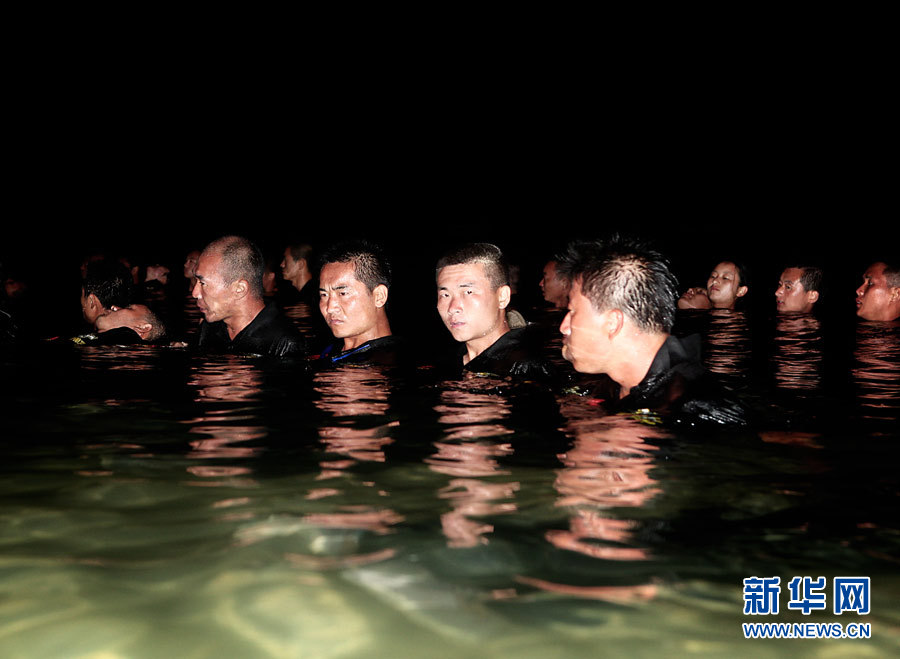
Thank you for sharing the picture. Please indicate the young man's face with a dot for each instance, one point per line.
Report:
(723, 286)
(585, 340)
(214, 297)
(469, 306)
(874, 297)
(790, 296)
(347, 305)
(289, 266)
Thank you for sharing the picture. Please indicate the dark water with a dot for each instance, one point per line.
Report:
(158, 503)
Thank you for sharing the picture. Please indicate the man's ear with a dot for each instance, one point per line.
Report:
(381, 295)
(894, 294)
(742, 291)
(505, 293)
(615, 321)
(240, 288)
(812, 296)
(143, 329)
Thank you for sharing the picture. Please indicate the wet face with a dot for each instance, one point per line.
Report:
(586, 341)
(215, 298)
(348, 306)
(724, 286)
(469, 306)
(555, 290)
(290, 268)
(790, 296)
(875, 299)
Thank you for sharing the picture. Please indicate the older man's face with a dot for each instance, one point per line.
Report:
(214, 297)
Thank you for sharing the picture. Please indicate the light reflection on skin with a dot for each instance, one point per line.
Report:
(798, 352)
(468, 416)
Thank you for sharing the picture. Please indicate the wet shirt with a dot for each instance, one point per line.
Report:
(270, 334)
(678, 385)
(517, 353)
(387, 350)
(119, 336)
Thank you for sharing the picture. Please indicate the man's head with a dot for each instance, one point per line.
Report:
(879, 296)
(555, 286)
(798, 289)
(297, 261)
(106, 285)
(137, 317)
(354, 281)
(620, 291)
(726, 284)
(229, 275)
(473, 292)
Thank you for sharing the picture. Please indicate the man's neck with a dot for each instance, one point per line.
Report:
(475, 347)
(381, 329)
(300, 280)
(245, 315)
(635, 359)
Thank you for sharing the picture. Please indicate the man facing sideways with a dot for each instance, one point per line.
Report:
(229, 294)
(296, 269)
(554, 286)
(878, 298)
(620, 314)
(473, 296)
(354, 282)
(798, 289)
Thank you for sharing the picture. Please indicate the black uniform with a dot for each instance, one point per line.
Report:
(270, 334)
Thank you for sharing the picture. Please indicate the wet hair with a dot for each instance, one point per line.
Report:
(810, 277)
(496, 267)
(370, 265)
(110, 281)
(241, 259)
(628, 275)
(892, 274)
(301, 251)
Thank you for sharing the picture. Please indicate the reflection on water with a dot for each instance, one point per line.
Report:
(798, 352)
(876, 372)
(728, 345)
(162, 504)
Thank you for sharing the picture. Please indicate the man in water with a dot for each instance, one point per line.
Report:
(727, 283)
(554, 286)
(620, 315)
(354, 282)
(106, 304)
(798, 289)
(296, 268)
(473, 296)
(229, 293)
(879, 296)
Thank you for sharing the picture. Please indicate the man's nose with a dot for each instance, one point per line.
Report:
(779, 291)
(861, 290)
(331, 303)
(565, 328)
(195, 291)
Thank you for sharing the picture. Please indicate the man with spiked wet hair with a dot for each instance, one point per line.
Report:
(620, 315)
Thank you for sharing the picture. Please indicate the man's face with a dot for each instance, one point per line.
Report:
(874, 297)
(585, 340)
(289, 267)
(468, 305)
(214, 297)
(347, 304)
(790, 296)
(555, 290)
(190, 264)
(723, 286)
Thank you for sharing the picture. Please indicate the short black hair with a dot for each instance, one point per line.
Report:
(110, 281)
(301, 251)
(628, 275)
(370, 265)
(496, 267)
(810, 277)
(241, 259)
(892, 274)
